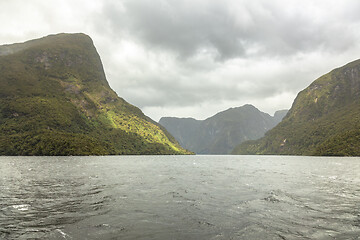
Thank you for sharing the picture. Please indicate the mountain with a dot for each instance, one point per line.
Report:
(185, 130)
(55, 100)
(323, 120)
(279, 115)
(220, 133)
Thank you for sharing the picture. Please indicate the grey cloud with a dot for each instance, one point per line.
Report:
(175, 93)
(186, 27)
(282, 47)
(201, 56)
(179, 26)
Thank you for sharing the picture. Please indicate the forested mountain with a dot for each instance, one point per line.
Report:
(323, 120)
(55, 100)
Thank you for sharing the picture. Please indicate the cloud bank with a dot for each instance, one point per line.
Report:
(195, 58)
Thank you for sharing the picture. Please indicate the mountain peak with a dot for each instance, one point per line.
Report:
(54, 40)
(246, 106)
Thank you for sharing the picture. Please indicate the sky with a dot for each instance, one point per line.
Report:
(194, 58)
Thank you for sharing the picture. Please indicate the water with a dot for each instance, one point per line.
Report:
(179, 197)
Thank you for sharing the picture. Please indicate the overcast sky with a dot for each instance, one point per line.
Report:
(194, 58)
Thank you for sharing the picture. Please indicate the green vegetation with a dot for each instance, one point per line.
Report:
(324, 119)
(55, 100)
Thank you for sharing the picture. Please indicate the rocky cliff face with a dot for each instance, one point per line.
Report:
(220, 133)
(324, 119)
(55, 100)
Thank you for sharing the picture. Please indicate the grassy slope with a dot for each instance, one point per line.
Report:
(55, 100)
(324, 119)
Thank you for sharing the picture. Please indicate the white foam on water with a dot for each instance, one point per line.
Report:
(21, 207)
(64, 235)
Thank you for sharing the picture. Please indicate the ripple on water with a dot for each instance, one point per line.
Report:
(32, 208)
(167, 197)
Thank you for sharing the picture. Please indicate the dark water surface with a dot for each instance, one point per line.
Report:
(179, 197)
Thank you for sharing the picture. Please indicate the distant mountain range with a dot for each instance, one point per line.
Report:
(55, 100)
(323, 120)
(220, 133)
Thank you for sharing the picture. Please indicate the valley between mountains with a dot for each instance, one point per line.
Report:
(55, 100)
